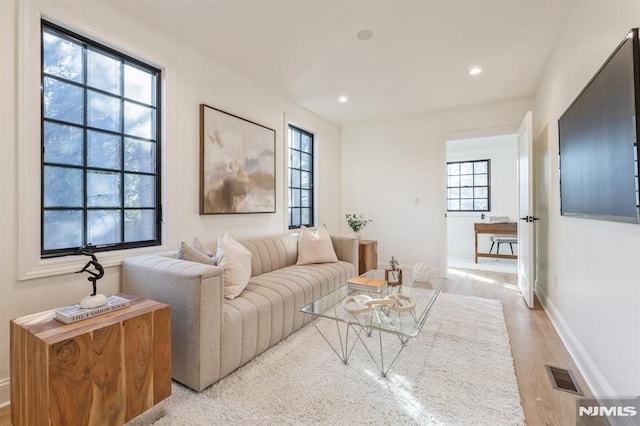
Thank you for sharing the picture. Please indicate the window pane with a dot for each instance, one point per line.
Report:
(300, 178)
(305, 218)
(139, 225)
(305, 162)
(62, 187)
(62, 229)
(305, 198)
(468, 190)
(104, 111)
(466, 180)
(295, 159)
(466, 204)
(306, 143)
(62, 144)
(295, 142)
(140, 190)
(90, 169)
(138, 121)
(296, 197)
(103, 72)
(63, 101)
(61, 57)
(139, 156)
(482, 204)
(295, 178)
(103, 189)
(103, 150)
(466, 168)
(482, 180)
(139, 85)
(480, 192)
(295, 217)
(103, 227)
(480, 167)
(305, 180)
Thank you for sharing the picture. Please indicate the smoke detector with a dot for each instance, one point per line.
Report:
(365, 35)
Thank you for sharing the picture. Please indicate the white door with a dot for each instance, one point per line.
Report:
(526, 252)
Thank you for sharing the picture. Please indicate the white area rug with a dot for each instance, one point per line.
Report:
(458, 371)
(484, 264)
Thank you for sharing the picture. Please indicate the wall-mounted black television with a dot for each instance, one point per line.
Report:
(599, 141)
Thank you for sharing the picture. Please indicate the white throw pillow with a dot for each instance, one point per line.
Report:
(196, 244)
(315, 247)
(192, 254)
(236, 261)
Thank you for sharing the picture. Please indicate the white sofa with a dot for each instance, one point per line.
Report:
(212, 335)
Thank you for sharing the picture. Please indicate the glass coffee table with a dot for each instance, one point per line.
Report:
(369, 317)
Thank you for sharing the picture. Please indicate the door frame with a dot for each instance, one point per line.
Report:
(442, 157)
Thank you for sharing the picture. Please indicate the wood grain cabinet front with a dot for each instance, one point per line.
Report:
(105, 370)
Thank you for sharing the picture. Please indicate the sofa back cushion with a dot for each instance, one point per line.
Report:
(272, 253)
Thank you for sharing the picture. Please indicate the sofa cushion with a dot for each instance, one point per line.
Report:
(236, 261)
(315, 247)
(272, 253)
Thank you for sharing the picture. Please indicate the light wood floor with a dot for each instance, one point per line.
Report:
(534, 343)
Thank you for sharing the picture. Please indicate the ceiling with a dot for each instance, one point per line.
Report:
(418, 59)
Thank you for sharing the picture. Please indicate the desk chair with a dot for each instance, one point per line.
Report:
(501, 239)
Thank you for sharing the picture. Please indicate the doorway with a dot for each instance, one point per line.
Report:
(465, 203)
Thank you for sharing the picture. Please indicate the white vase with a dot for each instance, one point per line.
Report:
(356, 235)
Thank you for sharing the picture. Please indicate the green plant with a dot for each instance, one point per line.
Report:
(357, 222)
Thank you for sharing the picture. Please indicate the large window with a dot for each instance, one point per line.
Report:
(468, 186)
(300, 178)
(100, 146)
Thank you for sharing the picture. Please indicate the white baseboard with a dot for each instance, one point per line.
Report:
(585, 364)
(5, 392)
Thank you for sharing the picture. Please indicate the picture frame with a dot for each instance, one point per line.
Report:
(237, 164)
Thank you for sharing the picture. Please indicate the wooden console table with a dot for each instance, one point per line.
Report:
(104, 370)
(367, 256)
(505, 228)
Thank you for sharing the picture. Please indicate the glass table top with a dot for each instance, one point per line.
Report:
(346, 304)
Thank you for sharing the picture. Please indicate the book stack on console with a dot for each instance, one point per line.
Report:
(74, 313)
(363, 283)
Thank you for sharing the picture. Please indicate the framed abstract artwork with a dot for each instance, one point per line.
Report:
(237, 164)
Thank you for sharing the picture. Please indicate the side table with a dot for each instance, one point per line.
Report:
(104, 370)
(368, 256)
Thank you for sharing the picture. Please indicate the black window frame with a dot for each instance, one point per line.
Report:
(89, 44)
(295, 208)
(472, 187)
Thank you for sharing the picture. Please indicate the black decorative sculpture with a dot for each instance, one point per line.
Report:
(94, 300)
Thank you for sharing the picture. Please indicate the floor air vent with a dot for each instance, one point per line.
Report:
(563, 380)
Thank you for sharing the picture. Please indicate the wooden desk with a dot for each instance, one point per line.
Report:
(510, 228)
(104, 370)
(367, 256)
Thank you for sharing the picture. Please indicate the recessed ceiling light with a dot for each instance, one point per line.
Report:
(475, 71)
(343, 99)
(365, 35)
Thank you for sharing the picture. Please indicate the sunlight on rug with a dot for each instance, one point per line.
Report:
(459, 370)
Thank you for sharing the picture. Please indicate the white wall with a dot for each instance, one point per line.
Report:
(191, 79)
(393, 171)
(589, 277)
(502, 150)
